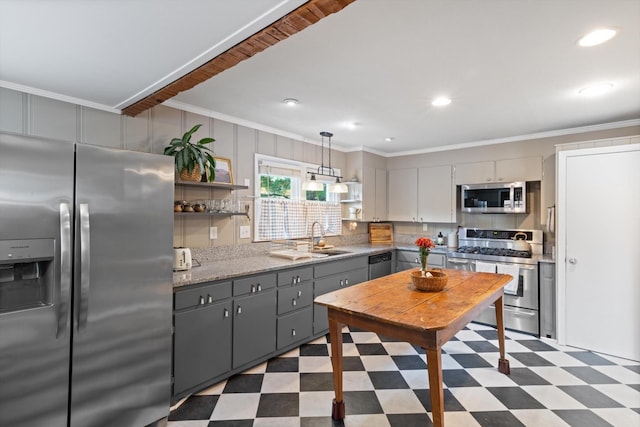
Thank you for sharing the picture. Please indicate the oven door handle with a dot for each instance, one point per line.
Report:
(458, 261)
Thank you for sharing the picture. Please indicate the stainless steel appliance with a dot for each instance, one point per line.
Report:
(495, 197)
(379, 265)
(85, 284)
(496, 248)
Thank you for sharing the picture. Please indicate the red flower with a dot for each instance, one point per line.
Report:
(425, 242)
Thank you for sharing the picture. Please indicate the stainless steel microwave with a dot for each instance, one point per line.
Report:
(496, 197)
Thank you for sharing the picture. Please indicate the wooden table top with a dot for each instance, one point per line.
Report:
(394, 300)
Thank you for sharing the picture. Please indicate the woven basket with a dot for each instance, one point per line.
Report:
(431, 284)
(195, 175)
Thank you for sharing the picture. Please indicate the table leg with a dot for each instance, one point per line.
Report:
(335, 333)
(434, 368)
(503, 363)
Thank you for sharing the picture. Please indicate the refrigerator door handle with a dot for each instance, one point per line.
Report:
(65, 269)
(85, 265)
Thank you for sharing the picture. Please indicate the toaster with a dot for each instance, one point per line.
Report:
(181, 259)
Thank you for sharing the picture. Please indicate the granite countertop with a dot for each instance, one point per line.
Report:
(231, 268)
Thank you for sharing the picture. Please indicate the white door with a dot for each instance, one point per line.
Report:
(599, 247)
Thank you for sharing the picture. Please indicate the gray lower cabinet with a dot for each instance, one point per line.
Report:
(333, 276)
(547, 273)
(295, 296)
(406, 260)
(254, 318)
(202, 338)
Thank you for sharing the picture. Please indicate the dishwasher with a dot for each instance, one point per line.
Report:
(379, 265)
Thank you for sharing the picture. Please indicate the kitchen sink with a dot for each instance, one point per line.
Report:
(328, 252)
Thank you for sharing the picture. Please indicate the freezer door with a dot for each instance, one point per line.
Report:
(36, 200)
(121, 353)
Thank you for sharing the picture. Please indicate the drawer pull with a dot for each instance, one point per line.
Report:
(346, 282)
(298, 279)
(341, 282)
(293, 280)
(299, 294)
(226, 312)
(293, 332)
(259, 287)
(253, 289)
(201, 300)
(239, 310)
(209, 299)
(294, 302)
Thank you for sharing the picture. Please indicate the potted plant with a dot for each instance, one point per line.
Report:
(192, 159)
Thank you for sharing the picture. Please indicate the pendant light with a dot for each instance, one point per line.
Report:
(313, 185)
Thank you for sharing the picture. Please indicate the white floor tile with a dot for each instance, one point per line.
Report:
(236, 406)
(512, 346)
(399, 402)
(619, 373)
(477, 399)
(277, 422)
(373, 420)
(257, 369)
(619, 416)
(621, 393)
(281, 382)
(356, 380)
(214, 389)
(365, 337)
(559, 358)
(458, 419)
(316, 403)
(492, 358)
(556, 376)
(416, 378)
(399, 348)
(315, 364)
(457, 347)
(199, 423)
(469, 335)
(292, 353)
(378, 363)
(348, 349)
(539, 417)
(448, 362)
(491, 377)
(552, 397)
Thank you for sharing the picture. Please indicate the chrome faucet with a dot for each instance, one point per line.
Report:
(313, 244)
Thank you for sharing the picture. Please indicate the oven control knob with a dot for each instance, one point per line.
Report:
(573, 261)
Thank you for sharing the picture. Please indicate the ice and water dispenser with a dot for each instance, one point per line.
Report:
(26, 273)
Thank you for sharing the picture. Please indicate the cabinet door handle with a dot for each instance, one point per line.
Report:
(239, 310)
(416, 260)
(201, 300)
(294, 302)
(346, 282)
(299, 294)
(293, 332)
(209, 299)
(293, 280)
(226, 312)
(341, 282)
(253, 289)
(259, 287)
(298, 279)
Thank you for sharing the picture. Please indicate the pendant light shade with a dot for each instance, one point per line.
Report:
(312, 184)
(338, 187)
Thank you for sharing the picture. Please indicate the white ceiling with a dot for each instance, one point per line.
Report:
(512, 67)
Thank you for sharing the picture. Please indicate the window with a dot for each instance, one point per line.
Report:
(283, 210)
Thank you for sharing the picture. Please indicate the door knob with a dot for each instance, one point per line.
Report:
(573, 261)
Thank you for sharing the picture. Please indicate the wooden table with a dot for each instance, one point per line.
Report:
(393, 307)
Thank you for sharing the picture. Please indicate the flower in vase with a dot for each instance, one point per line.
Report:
(424, 245)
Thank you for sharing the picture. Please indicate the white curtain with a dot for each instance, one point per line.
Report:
(292, 219)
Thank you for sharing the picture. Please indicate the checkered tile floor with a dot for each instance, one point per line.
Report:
(386, 384)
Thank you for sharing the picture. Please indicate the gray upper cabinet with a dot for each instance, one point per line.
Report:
(374, 199)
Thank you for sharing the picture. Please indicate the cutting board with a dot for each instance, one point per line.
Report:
(380, 232)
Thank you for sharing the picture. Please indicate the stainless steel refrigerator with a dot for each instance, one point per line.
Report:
(85, 284)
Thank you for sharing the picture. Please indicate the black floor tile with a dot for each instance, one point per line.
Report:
(458, 378)
(634, 386)
(590, 358)
(482, 346)
(371, 349)
(525, 376)
(489, 334)
(536, 345)
(361, 402)
(387, 339)
(194, 408)
(409, 420)
(352, 363)
(497, 419)
(450, 402)
(582, 418)
(515, 398)
(589, 396)
(470, 360)
(589, 375)
(279, 405)
(244, 383)
(405, 363)
(314, 350)
(283, 364)
(420, 350)
(317, 381)
(320, 422)
(346, 338)
(530, 359)
(634, 368)
(384, 380)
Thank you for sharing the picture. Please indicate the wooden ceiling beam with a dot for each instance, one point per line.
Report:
(293, 22)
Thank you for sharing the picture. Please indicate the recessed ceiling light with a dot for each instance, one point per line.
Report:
(389, 138)
(353, 125)
(596, 89)
(597, 37)
(441, 101)
(291, 101)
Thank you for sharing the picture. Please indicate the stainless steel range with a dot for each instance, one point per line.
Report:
(494, 250)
